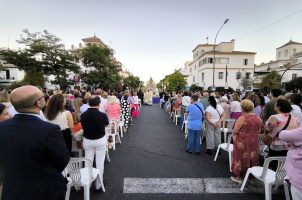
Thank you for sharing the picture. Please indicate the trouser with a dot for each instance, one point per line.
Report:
(68, 139)
(98, 148)
(194, 140)
(213, 136)
(296, 193)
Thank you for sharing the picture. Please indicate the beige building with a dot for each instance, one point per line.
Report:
(231, 66)
(289, 54)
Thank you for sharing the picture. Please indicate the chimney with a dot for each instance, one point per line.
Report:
(233, 44)
(72, 47)
(80, 45)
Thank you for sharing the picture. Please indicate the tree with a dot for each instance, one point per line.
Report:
(103, 70)
(175, 81)
(195, 87)
(270, 81)
(44, 54)
(295, 84)
(150, 85)
(132, 81)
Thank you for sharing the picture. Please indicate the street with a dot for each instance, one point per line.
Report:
(151, 163)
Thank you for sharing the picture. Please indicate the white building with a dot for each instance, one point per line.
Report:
(10, 73)
(289, 54)
(231, 67)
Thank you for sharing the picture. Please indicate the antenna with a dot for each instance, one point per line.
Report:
(207, 38)
(8, 42)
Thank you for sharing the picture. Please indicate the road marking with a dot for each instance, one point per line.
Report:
(164, 185)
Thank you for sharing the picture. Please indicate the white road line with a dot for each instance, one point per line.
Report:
(164, 185)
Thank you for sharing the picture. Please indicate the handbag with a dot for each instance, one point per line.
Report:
(267, 140)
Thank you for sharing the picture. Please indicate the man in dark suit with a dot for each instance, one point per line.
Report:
(32, 151)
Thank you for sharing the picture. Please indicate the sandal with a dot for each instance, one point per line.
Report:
(236, 180)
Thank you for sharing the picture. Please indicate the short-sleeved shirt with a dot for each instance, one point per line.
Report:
(215, 113)
(195, 116)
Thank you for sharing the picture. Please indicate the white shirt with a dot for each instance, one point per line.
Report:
(186, 100)
(61, 120)
(235, 106)
(83, 108)
(103, 105)
(135, 99)
(215, 113)
(12, 111)
(296, 111)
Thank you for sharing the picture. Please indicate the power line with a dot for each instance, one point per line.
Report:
(273, 23)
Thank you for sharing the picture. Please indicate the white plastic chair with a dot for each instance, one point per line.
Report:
(185, 124)
(227, 126)
(269, 177)
(81, 177)
(121, 127)
(227, 147)
(176, 116)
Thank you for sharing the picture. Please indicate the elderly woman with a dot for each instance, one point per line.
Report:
(226, 106)
(113, 108)
(246, 147)
(294, 160)
(214, 115)
(283, 120)
(258, 109)
(235, 108)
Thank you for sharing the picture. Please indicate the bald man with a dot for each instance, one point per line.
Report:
(32, 151)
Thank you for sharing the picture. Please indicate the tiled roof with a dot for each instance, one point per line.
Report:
(289, 43)
(93, 39)
(231, 52)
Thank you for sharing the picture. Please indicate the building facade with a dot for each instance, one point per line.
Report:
(288, 63)
(231, 67)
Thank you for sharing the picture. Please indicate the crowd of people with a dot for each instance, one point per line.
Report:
(272, 119)
(40, 128)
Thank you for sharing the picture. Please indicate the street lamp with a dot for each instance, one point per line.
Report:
(214, 60)
(288, 66)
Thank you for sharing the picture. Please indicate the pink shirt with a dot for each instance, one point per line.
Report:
(293, 164)
(113, 111)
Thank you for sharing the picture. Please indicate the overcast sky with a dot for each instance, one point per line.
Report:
(154, 37)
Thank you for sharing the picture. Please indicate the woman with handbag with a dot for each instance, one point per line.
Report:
(283, 120)
(214, 115)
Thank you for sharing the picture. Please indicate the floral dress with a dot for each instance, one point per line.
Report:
(246, 145)
(126, 112)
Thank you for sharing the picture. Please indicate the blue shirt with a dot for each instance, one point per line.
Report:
(195, 116)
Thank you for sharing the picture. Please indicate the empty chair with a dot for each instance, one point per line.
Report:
(176, 116)
(227, 126)
(78, 176)
(227, 147)
(269, 177)
(185, 124)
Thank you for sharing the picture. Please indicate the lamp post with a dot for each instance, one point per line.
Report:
(214, 60)
(288, 66)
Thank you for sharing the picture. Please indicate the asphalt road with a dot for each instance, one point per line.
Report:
(155, 148)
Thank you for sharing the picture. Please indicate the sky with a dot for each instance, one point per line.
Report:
(153, 37)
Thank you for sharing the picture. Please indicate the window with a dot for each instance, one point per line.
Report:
(248, 75)
(202, 77)
(193, 78)
(200, 63)
(279, 54)
(195, 67)
(220, 75)
(210, 60)
(294, 76)
(285, 53)
(190, 70)
(245, 61)
(238, 75)
(294, 51)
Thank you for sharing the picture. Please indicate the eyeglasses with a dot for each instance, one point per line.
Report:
(39, 99)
